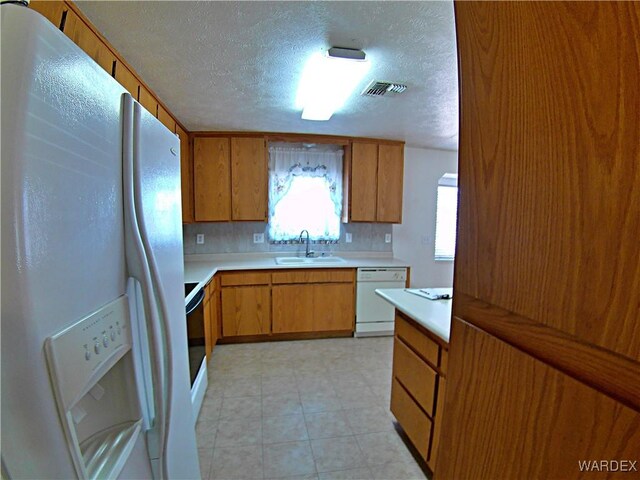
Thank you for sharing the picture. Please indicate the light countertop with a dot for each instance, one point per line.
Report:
(434, 315)
(201, 268)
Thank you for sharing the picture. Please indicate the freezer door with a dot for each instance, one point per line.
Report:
(157, 199)
(62, 226)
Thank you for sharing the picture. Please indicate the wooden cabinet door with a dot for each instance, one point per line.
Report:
(364, 174)
(390, 172)
(293, 308)
(249, 179)
(166, 119)
(333, 307)
(246, 311)
(211, 179)
(87, 40)
(127, 79)
(186, 176)
(52, 10)
(214, 309)
(148, 101)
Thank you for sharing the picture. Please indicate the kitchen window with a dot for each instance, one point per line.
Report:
(305, 191)
(446, 216)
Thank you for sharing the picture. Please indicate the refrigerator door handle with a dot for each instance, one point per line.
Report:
(140, 268)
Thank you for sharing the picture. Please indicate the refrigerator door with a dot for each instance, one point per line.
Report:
(158, 213)
(62, 225)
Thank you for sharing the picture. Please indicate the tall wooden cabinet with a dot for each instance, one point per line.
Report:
(230, 178)
(249, 178)
(375, 182)
(544, 365)
(211, 179)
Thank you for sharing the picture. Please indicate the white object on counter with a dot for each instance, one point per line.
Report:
(434, 315)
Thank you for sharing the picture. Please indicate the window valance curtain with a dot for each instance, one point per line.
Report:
(287, 162)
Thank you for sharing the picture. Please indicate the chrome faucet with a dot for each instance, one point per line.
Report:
(308, 252)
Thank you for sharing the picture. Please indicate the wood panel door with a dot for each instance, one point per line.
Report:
(389, 183)
(249, 178)
(211, 179)
(246, 311)
(87, 40)
(364, 183)
(293, 308)
(515, 415)
(545, 342)
(186, 175)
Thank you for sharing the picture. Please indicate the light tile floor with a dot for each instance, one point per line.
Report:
(312, 409)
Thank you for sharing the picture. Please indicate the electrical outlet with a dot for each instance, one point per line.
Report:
(200, 238)
(348, 237)
(425, 239)
(387, 238)
(258, 238)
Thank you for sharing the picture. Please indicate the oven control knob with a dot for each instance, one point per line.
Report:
(113, 336)
(105, 341)
(96, 348)
(87, 353)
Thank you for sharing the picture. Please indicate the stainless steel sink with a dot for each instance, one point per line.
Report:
(308, 261)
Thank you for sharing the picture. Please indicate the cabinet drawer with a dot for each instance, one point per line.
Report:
(242, 278)
(342, 275)
(418, 378)
(414, 422)
(417, 340)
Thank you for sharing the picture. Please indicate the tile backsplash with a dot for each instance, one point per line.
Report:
(237, 237)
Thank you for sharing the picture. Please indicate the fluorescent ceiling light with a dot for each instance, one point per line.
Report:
(327, 81)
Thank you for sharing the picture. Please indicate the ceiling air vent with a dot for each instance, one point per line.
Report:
(378, 89)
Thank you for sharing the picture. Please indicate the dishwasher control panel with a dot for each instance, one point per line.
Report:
(382, 274)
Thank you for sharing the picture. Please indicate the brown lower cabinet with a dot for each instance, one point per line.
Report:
(246, 310)
(418, 385)
(211, 315)
(305, 301)
(313, 307)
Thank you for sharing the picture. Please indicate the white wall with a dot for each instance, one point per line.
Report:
(413, 240)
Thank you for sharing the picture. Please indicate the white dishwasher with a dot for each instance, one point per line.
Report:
(375, 316)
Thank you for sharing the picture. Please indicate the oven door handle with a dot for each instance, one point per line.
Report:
(195, 301)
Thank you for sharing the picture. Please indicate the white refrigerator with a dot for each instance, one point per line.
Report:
(95, 380)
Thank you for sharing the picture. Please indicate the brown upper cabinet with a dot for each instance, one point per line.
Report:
(249, 178)
(375, 183)
(51, 10)
(211, 179)
(127, 79)
(148, 101)
(230, 179)
(83, 36)
(166, 119)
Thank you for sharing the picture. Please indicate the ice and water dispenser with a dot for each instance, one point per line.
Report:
(92, 373)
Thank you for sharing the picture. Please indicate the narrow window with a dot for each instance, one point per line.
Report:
(446, 216)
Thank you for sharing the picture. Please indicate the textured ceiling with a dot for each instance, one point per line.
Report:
(236, 65)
